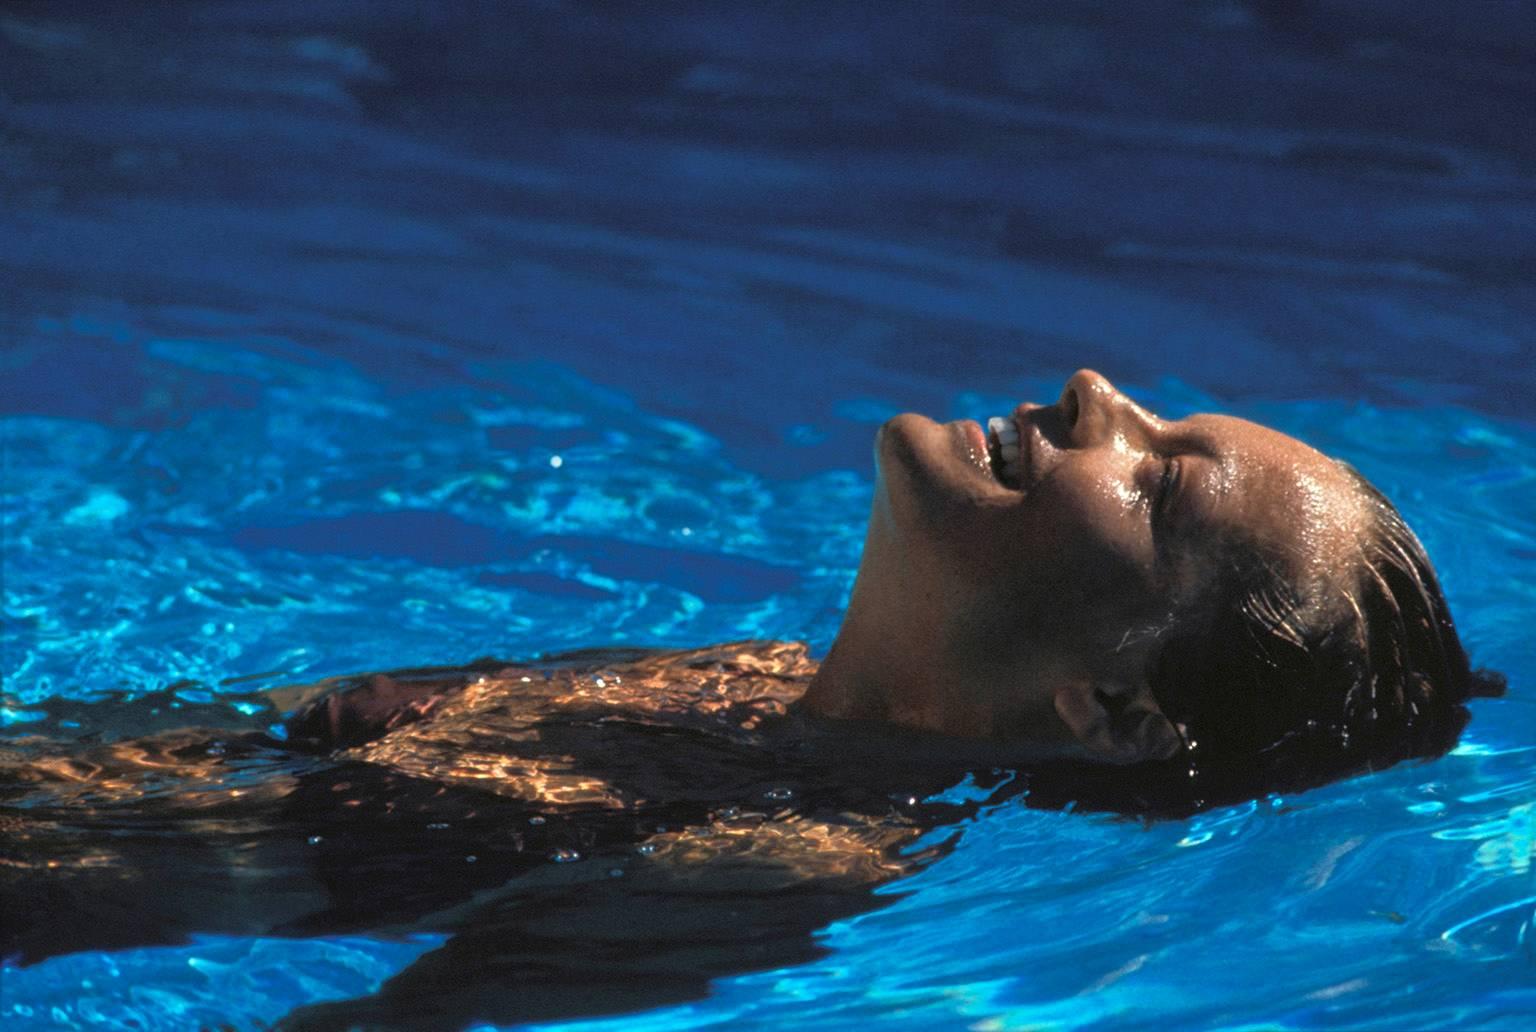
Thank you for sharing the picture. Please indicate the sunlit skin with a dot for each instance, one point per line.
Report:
(1025, 614)
(991, 622)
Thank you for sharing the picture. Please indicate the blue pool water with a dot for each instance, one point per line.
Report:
(338, 338)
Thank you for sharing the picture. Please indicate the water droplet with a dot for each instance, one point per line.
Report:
(646, 848)
(599, 682)
(730, 813)
(536, 820)
(564, 856)
(315, 840)
(556, 462)
(779, 794)
(437, 825)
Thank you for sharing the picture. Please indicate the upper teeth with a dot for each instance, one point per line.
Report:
(1007, 436)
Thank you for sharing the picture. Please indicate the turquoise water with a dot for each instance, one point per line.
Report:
(233, 546)
(335, 344)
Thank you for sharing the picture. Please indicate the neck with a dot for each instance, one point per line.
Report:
(852, 682)
(895, 662)
(889, 662)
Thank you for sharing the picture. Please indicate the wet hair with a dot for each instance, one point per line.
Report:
(1276, 688)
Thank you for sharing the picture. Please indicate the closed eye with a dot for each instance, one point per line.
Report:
(1167, 488)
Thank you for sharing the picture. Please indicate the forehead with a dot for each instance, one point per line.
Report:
(1269, 491)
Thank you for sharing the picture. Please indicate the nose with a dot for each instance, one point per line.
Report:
(1096, 412)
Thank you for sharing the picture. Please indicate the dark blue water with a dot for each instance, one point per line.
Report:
(339, 337)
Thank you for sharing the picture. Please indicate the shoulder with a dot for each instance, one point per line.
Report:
(350, 710)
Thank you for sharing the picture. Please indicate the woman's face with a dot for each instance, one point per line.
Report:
(1016, 569)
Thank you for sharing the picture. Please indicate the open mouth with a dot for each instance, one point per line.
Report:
(1005, 452)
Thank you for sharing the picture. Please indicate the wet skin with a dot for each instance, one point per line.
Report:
(989, 624)
(1025, 612)
(683, 782)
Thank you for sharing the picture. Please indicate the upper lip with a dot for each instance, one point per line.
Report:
(1028, 457)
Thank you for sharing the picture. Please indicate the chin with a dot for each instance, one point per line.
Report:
(925, 477)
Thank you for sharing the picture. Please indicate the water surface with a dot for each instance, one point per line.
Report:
(337, 340)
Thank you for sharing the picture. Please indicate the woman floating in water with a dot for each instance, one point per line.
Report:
(1082, 603)
(1087, 583)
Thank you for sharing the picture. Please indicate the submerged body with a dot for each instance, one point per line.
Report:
(634, 823)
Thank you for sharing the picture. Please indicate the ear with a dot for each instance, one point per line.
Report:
(1117, 723)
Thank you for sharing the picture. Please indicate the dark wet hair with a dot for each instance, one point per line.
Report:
(1275, 691)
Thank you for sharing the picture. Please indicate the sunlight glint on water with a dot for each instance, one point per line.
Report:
(1416, 877)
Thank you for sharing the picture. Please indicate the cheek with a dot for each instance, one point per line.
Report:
(1077, 552)
(1100, 509)
(1082, 514)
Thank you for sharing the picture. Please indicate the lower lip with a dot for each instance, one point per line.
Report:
(978, 437)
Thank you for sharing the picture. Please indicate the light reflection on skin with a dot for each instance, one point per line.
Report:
(985, 624)
(694, 754)
(1012, 612)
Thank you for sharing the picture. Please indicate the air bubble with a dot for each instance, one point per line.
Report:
(779, 794)
(536, 820)
(315, 840)
(564, 856)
